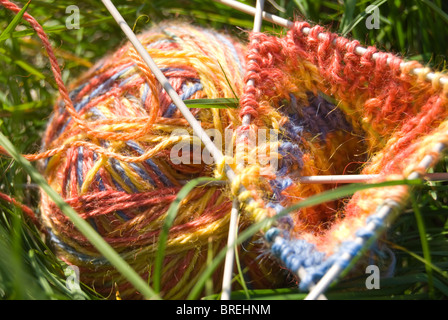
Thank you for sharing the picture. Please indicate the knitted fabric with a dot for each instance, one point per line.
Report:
(380, 119)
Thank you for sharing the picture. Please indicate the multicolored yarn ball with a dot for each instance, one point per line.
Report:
(113, 164)
(108, 151)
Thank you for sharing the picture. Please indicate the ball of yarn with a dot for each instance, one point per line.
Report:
(114, 165)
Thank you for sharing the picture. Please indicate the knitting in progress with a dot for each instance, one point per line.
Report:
(118, 151)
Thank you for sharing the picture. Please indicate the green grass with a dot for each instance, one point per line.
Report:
(28, 268)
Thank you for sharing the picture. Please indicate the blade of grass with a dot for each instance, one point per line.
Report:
(436, 9)
(240, 274)
(19, 285)
(10, 28)
(348, 26)
(425, 245)
(22, 64)
(228, 82)
(170, 216)
(277, 6)
(83, 226)
(400, 36)
(443, 273)
(25, 66)
(305, 8)
(210, 254)
(348, 12)
(219, 103)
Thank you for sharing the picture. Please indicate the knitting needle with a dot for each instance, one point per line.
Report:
(361, 178)
(230, 254)
(251, 10)
(342, 179)
(233, 224)
(429, 76)
(246, 121)
(386, 212)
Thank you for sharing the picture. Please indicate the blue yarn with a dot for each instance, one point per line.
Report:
(271, 234)
(319, 118)
(277, 207)
(348, 247)
(117, 167)
(291, 155)
(79, 165)
(97, 113)
(81, 256)
(188, 91)
(364, 233)
(156, 43)
(74, 93)
(278, 185)
(153, 166)
(145, 93)
(378, 221)
(296, 254)
(101, 186)
(142, 173)
(102, 88)
(170, 69)
(99, 90)
(124, 81)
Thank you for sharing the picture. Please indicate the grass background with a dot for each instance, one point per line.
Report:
(415, 29)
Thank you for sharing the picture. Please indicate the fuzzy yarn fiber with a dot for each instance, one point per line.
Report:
(335, 112)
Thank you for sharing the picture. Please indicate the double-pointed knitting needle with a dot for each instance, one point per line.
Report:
(230, 254)
(234, 213)
(362, 178)
(343, 179)
(429, 76)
